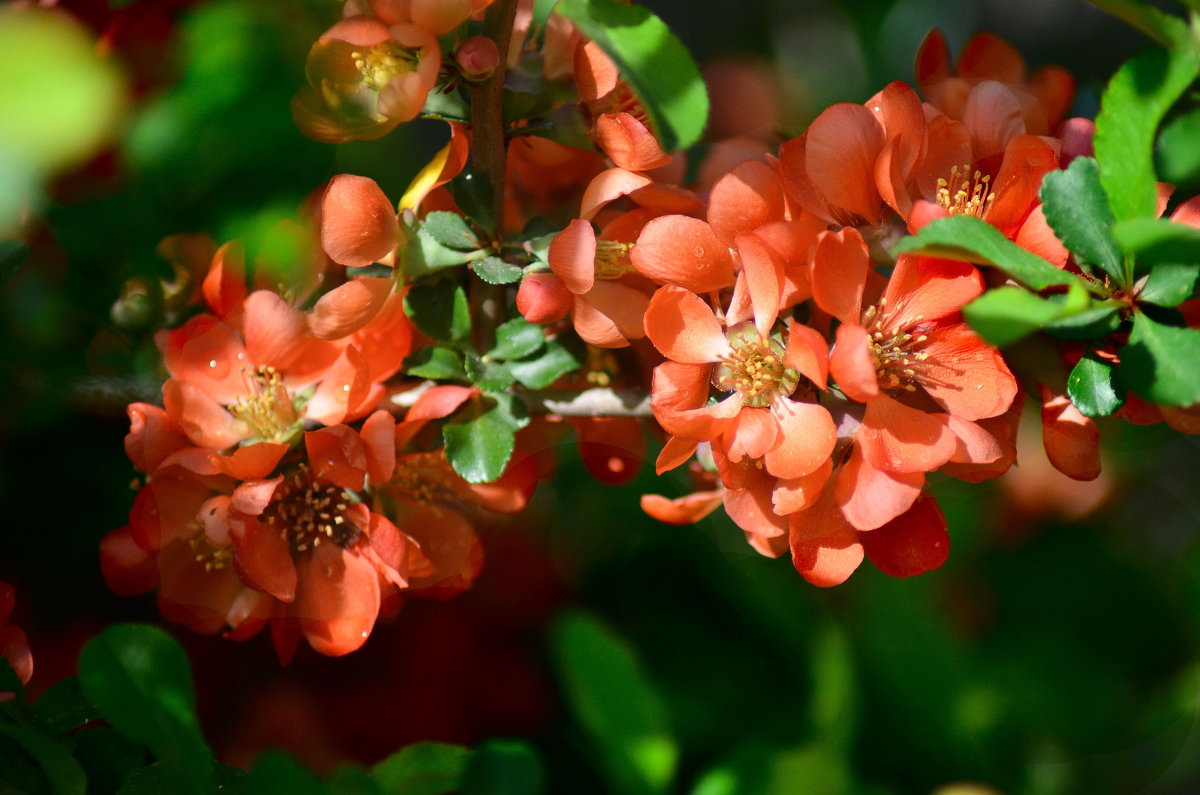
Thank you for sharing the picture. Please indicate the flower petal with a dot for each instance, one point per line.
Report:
(910, 544)
(1072, 441)
(337, 600)
(348, 307)
(687, 509)
(808, 438)
(839, 273)
(676, 249)
(744, 199)
(851, 364)
(897, 438)
(825, 548)
(842, 145)
(572, 256)
(683, 327)
(264, 559)
(870, 497)
(358, 223)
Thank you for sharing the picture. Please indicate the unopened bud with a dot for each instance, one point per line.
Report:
(477, 58)
(543, 298)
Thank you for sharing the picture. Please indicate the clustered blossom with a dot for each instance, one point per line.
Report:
(810, 380)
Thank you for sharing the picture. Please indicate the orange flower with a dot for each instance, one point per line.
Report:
(924, 376)
(1042, 98)
(619, 124)
(364, 78)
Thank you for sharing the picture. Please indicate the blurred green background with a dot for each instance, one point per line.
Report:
(1054, 653)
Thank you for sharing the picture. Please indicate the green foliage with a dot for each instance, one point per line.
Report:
(652, 61)
(1137, 98)
(62, 772)
(517, 339)
(139, 678)
(440, 310)
(969, 239)
(616, 703)
(539, 372)
(494, 270)
(434, 361)
(1077, 209)
(1170, 284)
(422, 769)
(1090, 324)
(1159, 363)
(450, 230)
(1155, 240)
(1177, 155)
(479, 441)
(1094, 387)
(503, 767)
(1007, 314)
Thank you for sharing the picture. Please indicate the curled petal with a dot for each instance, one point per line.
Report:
(675, 452)
(1072, 441)
(358, 224)
(992, 117)
(127, 566)
(839, 273)
(609, 185)
(808, 437)
(338, 455)
(152, 436)
(264, 559)
(807, 353)
(797, 494)
(851, 364)
(543, 298)
(744, 199)
(628, 142)
(225, 285)
(870, 497)
(688, 509)
(572, 256)
(825, 548)
(348, 307)
(843, 143)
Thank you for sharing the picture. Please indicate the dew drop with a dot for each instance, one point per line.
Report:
(345, 387)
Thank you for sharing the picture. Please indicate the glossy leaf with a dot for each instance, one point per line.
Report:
(472, 192)
(1090, 324)
(503, 767)
(1159, 363)
(1094, 387)
(442, 364)
(422, 769)
(451, 230)
(1137, 98)
(440, 310)
(494, 270)
(1177, 155)
(1077, 209)
(480, 444)
(140, 680)
(1007, 314)
(1154, 240)
(487, 375)
(517, 339)
(543, 370)
(1170, 284)
(62, 772)
(972, 240)
(615, 702)
(652, 61)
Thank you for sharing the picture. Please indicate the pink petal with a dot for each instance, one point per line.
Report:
(358, 223)
(683, 327)
(572, 256)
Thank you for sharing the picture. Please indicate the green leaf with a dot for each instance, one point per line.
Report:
(62, 772)
(451, 230)
(652, 61)
(440, 310)
(1169, 284)
(1090, 324)
(1076, 208)
(1094, 387)
(13, 254)
(276, 772)
(472, 192)
(1167, 30)
(1006, 314)
(488, 376)
(140, 680)
(1159, 363)
(1154, 240)
(539, 247)
(1177, 155)
(1137, 98)
(423, 254)
(556, 361)
(422, 769)
(517, 339)
(108, 756)
(480, 444)
(435, 362)
(969, 239)
(64, 707)
(611, 697)
(503, 767)
(494, 270)
(352, 780)
(448, 106)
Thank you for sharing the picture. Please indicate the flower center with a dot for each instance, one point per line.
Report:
(965, 194)
(308, 512)
(267, 407)
(210, 557)
(380, 62)
(755, 367)
(612, 259)
(894, 349)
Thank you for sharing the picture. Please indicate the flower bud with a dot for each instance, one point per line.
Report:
(543, 298)
(477, 58)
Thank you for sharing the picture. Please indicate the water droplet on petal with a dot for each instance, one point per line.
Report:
(345, 387)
